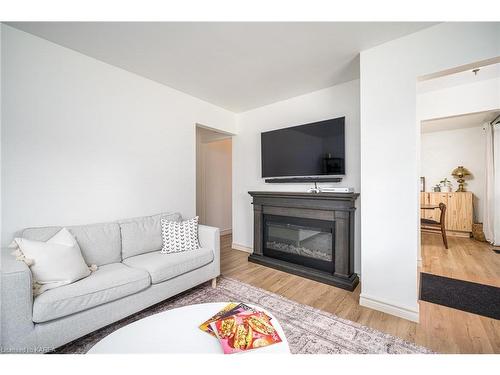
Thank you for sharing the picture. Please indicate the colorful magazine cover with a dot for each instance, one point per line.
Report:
(205, 326)
(240, 308)
(245, 331)
(225, 312)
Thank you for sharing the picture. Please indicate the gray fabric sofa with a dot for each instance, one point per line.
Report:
(132, 275)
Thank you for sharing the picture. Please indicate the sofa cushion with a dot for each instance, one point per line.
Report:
(100, 243)
(179, 236)
(143, 234)
(110, 282)
(163, 267)
(53, 263)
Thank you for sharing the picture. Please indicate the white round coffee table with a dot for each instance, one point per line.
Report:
(176, 331)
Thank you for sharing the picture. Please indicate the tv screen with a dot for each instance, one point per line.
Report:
(315, 149)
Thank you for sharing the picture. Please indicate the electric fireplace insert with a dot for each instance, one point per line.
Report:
(303, 241)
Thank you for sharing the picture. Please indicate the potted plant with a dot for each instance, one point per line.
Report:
(445, 185)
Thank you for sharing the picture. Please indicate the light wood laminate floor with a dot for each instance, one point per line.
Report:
(441, 329)
(465, 259)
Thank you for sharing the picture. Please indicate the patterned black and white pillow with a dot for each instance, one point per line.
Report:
(179, 235)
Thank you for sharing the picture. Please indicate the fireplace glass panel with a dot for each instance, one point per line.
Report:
(300, 241)
(303, 241)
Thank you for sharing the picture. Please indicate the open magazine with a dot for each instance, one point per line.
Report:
(240, 328)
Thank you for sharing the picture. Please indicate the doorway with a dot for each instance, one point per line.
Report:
(457, 259)
(214, 178)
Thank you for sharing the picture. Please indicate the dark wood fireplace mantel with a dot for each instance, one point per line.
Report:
(335, 209)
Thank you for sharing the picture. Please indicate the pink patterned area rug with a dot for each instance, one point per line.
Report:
(308, 330)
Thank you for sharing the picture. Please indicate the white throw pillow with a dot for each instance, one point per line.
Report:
(53, 263)
(179, 235)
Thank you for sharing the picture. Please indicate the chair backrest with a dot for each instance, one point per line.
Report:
(442, 207)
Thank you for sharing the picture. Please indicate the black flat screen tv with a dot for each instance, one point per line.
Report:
(315, 149)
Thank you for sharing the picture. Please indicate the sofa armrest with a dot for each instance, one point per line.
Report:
(210, 239)
(16, 301)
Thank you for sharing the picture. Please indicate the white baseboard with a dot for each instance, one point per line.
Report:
(402, 312)
(225, 232)
(246, 249)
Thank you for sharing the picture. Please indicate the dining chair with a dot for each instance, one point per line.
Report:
(438, 225)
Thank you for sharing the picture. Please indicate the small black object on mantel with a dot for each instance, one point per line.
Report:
(302, 180)
(315, 189)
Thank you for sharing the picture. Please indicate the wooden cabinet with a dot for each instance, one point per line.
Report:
(459, 212)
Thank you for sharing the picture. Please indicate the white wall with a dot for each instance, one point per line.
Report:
(83, 141)
(1, 117)
(340, 100)
(480, 96)
(214, 179)
(218, 198)
(496, 221)
(390, 137)
(443, 151)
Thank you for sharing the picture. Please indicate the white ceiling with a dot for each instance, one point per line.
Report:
(470, 120)
(237, 66)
